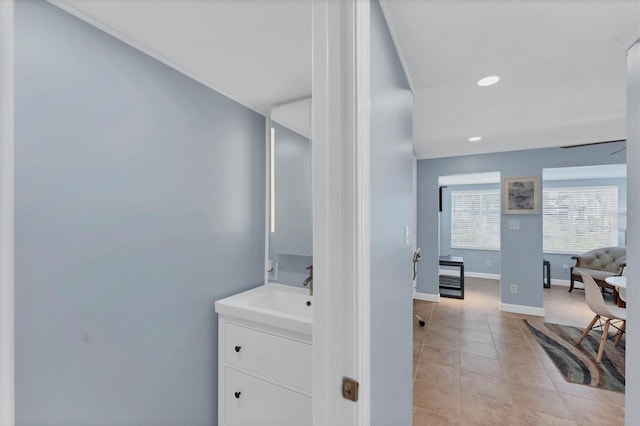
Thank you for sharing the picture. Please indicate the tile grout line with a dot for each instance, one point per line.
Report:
(454, 313)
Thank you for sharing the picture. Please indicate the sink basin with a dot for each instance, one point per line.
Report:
(284, 300)
(278, 305)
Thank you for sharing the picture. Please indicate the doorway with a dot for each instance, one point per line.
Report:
(584, 208)
(469, 235)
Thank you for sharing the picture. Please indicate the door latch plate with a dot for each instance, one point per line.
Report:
(350, 389)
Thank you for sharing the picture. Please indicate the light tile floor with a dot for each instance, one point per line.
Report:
(475, 365)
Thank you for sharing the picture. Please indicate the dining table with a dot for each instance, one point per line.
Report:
(619, 282)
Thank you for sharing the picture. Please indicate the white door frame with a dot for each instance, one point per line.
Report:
(341, 199)
(632, 393)
(362, 22)
(7, 289)
(414, 223)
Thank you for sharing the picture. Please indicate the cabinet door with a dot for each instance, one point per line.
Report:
(274, 357)
(251, 401)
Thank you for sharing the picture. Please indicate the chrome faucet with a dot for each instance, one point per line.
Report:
(309, 280)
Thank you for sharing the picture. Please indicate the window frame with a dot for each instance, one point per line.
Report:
(481, 192)
(573, 189)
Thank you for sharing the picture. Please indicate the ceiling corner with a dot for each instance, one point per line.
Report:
(72, 7)
(394, 38)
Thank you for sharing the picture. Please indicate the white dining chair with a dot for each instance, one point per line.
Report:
(595, 301)
(622, 294)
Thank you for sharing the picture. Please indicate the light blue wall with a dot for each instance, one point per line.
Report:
(474, 260)
(139, 202)
(291, 243)
(521, 251)
(391, 210)
(557, 260)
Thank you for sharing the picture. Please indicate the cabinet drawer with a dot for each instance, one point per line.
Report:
(251, 401)
(274, 357)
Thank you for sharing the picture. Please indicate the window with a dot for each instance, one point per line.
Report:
(579, 219)
(475, 219)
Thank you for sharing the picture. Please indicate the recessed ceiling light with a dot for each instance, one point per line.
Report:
(488, 81)
(475, 139)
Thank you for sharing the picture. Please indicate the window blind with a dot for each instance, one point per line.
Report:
(579, 219)
(475, 219)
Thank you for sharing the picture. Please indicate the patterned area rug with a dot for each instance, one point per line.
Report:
(577, 363)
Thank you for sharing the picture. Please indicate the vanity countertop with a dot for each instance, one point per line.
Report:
(277, 305)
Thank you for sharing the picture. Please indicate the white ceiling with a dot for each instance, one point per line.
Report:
(562, 62)
(257, 52)
(562, 66)
(294, 115)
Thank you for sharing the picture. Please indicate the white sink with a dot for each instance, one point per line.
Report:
(277, 305)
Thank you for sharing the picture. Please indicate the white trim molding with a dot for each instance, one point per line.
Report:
(454, 273)
(632, 391)
(562, 283)
(396, 44)
(341, 241)
(632, 41)
(70, 9)
(362, 52)
(427, 297)
(521, 309)
(487, 276)
(483, 275)
(267, 198)
(7, 201)
(414, 212)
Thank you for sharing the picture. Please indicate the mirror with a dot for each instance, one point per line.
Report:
(289, 194)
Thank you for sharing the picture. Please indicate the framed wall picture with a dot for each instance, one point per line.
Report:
(521, 195)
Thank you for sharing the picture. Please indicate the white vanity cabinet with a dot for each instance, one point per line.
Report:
(264, 374)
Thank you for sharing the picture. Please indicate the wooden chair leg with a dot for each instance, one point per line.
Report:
(620, 333)
(603, 340)
(571, 283)
(588, 329)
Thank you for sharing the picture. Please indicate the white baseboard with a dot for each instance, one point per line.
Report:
(482, 275)
(454, 273)
(521, 309)
(427, 297)
(562, 283)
